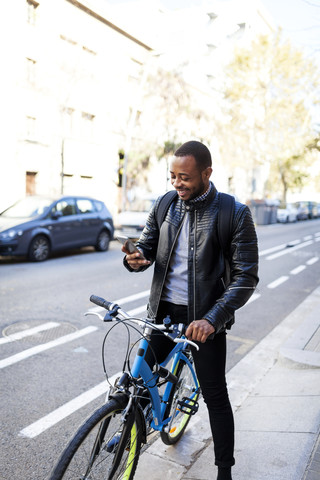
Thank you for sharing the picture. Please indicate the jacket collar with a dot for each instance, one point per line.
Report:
(201, 201)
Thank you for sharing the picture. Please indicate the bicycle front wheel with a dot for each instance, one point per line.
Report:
(182, 403)
(97, 451)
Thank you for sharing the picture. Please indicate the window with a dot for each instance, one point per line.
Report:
(68, 40)
(31, 183)
(67, 120)
(87, 122)
(66, 207)
(31, 71)
(31, 127)
(32, 11)
(87, 116)
(85, 206)
(88, 50)
(98, 205)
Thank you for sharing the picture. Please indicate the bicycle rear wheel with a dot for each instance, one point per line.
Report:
(104, 447)
(182, 403)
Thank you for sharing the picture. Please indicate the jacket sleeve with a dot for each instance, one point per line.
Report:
(148, 241)
(243, 261)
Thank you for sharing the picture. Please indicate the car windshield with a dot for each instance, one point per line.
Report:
(27, 208)
(141, 204)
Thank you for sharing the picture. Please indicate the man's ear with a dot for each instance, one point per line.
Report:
(208, 172)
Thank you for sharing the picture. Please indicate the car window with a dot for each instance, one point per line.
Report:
(98, 205)
(66, 207)
(85, 206)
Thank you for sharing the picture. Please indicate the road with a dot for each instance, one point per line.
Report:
(50, 353)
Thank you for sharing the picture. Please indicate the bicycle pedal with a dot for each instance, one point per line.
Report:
(188, 406)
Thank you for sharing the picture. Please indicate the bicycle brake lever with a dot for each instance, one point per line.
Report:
(94, 313)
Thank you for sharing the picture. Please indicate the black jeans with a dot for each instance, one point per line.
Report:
(210, 363)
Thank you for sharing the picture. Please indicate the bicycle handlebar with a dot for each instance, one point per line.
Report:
(114, 309)
(101, 302)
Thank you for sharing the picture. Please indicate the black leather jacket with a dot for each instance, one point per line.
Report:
(208, 295)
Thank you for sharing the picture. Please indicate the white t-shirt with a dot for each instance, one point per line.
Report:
(175, 289)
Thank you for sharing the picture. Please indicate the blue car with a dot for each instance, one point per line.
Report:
(36, 226)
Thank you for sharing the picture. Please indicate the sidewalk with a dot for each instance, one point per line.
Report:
(275, 393)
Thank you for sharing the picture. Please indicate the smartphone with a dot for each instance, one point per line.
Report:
(128, 244)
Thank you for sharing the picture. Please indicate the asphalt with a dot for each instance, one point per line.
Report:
(275, 394)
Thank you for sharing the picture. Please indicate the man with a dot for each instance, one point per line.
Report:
(189, 281)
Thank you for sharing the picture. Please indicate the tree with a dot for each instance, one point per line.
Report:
(270, 92)
(171, 111)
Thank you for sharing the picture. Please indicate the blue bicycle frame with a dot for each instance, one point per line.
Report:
(141, 369)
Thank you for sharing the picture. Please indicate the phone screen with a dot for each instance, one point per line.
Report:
(128, 243)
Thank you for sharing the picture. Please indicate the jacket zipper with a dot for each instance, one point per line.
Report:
(194, 265)
(237, 288)
(167, 265)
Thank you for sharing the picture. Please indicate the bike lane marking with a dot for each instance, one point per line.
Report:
(27, 333)
(312, 260)
(121, 301)
(75, 404)
(298, 269)
(67, 409)
(45, 346)
(289, 250)
(278, 281)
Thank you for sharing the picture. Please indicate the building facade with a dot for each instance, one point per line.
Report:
(72, 83)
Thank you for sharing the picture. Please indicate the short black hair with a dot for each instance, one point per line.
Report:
(198, 150)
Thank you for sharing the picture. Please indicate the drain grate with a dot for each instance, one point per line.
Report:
(31, 331)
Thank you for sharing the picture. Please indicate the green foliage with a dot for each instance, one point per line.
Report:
(270, 91)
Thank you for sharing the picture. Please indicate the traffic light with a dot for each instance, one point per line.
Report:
(120, 168)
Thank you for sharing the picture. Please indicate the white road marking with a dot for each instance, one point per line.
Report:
(278, 282)
(67, 409)
(137, 310)
(45, 346)
(121, 301)
(298, 269)
(254, 297)
(27, 333)
(312, 260)
(308, 237)
(289, 250)
(317, 239)
(272, 249)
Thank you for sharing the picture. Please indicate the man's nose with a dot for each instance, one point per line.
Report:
(176, 182)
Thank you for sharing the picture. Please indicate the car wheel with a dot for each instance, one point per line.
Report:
(39, 249)
(103, 241)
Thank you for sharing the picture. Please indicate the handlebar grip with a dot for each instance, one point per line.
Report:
(101, 302)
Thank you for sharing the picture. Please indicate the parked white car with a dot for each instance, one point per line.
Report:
(131, 222)
(287, 213)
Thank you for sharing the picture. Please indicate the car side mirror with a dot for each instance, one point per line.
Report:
(56, 215)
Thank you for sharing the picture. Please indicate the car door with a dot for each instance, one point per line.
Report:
(65, 224)
(91, 222)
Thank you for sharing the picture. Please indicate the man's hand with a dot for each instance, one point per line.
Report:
(135, 260)
(199, 330)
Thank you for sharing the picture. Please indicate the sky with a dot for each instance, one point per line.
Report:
(299, 19)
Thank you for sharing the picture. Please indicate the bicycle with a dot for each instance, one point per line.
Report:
(141, 401)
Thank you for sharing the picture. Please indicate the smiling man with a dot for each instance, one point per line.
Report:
(190, 282)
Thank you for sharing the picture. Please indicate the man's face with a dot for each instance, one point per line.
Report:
(187, 179)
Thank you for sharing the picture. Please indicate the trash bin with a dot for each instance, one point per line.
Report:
(263, 212)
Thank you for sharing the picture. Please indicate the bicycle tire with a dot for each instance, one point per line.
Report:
(92, 452)
(187, 390)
